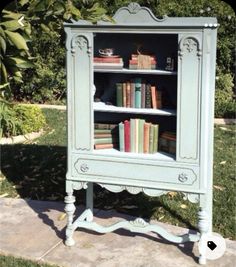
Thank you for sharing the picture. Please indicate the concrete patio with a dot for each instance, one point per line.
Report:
(35, 230)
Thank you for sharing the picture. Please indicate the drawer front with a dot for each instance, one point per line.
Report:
(118, 171)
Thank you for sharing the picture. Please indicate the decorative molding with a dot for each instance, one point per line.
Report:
(193, 198)
(190, 44)
(139, 222)
(82, 42)
(183, 177)
(126, 15)
(78, 185)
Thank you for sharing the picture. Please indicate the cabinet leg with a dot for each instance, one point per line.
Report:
(89, 202)
(203, 226)
(69, 209)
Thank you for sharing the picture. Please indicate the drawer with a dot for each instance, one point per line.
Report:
(104, 170)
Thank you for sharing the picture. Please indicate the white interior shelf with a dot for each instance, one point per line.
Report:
(100, 106)
(130, 71)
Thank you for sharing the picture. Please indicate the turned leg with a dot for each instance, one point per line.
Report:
(203, 226)
(89, 202)
(69, 209)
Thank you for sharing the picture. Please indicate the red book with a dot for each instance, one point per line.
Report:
(107, 60)
(127, 135)
(105, 146)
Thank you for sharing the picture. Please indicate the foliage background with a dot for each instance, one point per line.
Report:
(46, 82)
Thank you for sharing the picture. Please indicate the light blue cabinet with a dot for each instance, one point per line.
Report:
(188, 111)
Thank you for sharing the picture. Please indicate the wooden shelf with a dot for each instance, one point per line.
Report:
(129, 71)
(102, 107)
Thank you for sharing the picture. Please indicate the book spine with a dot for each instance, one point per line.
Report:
(121, 137)
(155, 138)
(146, 137)
(141, 135)
(132, 94)
(124, 94)
(151, 136)
(103, 135)
(104, 126)
(136, 136)
(138, 93)
(119, 95)
(143, 95)
(132, 135)
(105, 140)
(127, 135)
(128, 95)
(159, 98)
(148, 99)
(154, 98)
(105, 146)
(107, 60)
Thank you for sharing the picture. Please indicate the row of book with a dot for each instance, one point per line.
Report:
(138, 136)
(138, 94)
(134, 135)
(142, 62)
(114, 62)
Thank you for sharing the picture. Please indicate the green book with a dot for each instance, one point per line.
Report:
(141, 135)
(138, 92)
(155, 138)
(121, 137)
(119, 95)
(105, 140)
(132, 94)
(151, 136)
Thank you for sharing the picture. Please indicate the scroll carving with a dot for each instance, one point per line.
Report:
(189, 45)
(81, 42)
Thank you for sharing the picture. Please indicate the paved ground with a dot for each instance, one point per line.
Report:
(33, 229)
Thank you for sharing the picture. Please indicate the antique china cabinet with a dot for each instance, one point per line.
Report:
(187, 110)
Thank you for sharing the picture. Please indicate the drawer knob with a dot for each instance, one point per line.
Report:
(183, 177)
(84, 167)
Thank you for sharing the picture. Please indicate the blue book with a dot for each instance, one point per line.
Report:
(138, 96)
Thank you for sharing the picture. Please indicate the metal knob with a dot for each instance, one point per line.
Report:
(183, 177)
(84, 167)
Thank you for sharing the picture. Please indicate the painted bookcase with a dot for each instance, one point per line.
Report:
(187, 111)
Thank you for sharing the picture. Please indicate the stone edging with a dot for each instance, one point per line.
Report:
(20, 138)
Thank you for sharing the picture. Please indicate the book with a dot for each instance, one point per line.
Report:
(119, 95)
(124, 94)
(103, 135)
(132, 135)
(104, 126)
(154, 98)
(141, 135)
(136, 135)
(159, 98)
(105, 146)
(107, 60)
(137, 92)
(127, 135)
(132, 94)
(151, 138)
(143, 94)
(128, 95)
(107, 65)
(107, 140)
(146, 134)
(121, 137)
(155, 138)
(148, 98)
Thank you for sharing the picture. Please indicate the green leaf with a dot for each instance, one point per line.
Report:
(45, 28)
(11, 15)
(11, 25)
(3, 74)
(75, 11)
(20, 62)
(17, 40)
(3, 44)
(23, 2)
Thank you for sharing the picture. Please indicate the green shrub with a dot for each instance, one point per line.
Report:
(20, 119)
(224, 102)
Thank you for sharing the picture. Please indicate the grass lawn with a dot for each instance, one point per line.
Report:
(37, 171)
(9, 261)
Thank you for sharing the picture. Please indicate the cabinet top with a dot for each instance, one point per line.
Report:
(136, 16)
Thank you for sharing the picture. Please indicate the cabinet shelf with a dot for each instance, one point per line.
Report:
(140, 71)
(102, 107)
(116, 153)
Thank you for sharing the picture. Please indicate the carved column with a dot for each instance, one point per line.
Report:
(203, 226)
(69, 209)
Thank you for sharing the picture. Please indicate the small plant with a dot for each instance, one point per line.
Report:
(20, 119)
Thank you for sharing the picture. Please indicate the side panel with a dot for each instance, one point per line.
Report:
(82, 44)
(189, 88)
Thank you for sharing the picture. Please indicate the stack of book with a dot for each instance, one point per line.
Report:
(142, 62)
(167, 142)
(138, 136)
(105, 135)
(138, 94)
(109, 62)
